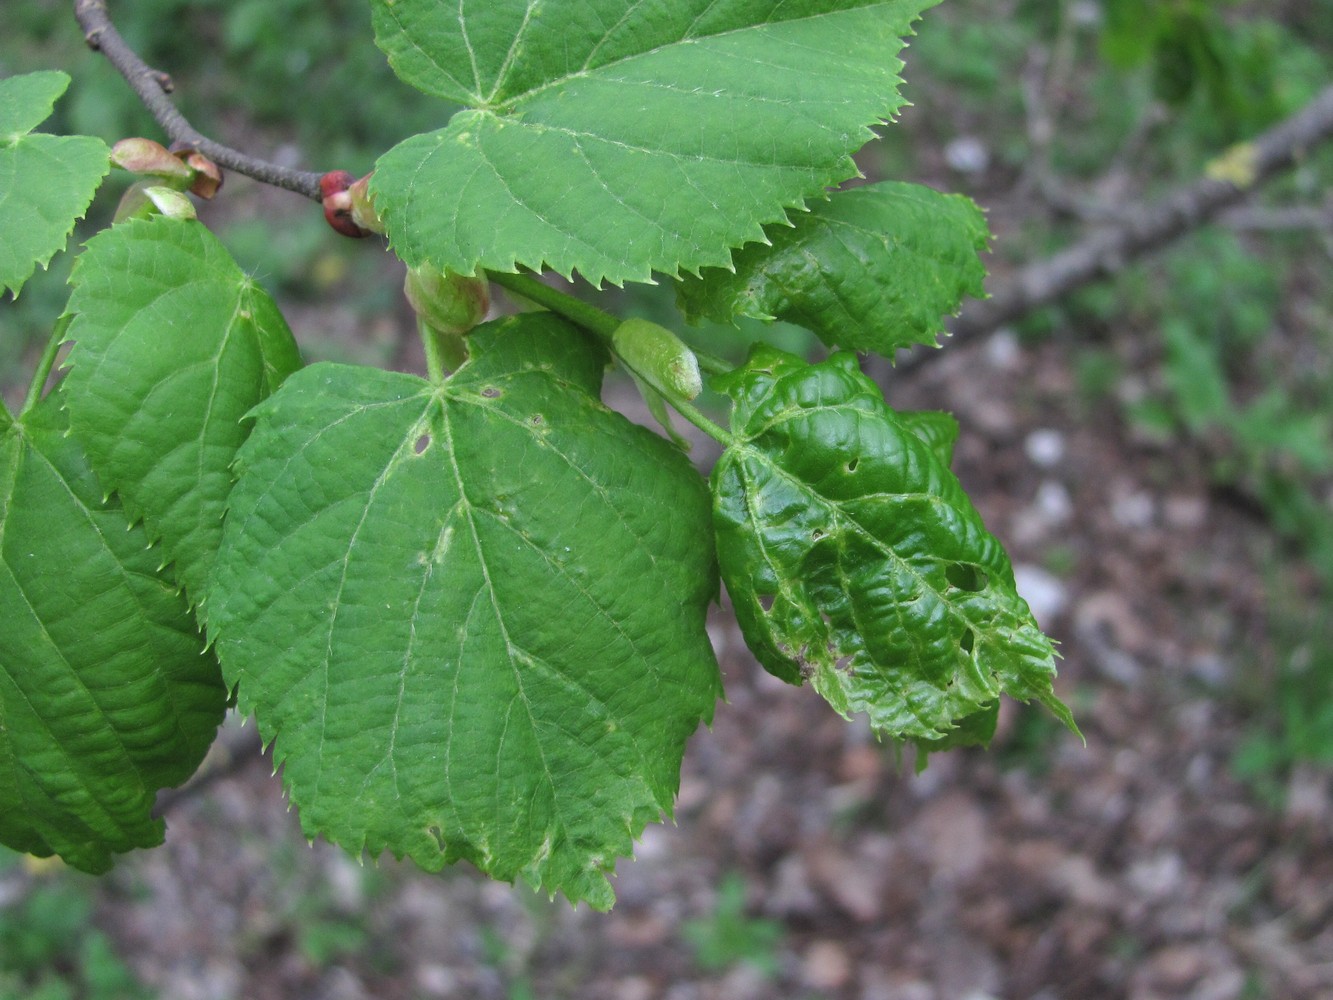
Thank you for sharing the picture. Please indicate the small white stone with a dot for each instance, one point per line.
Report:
(1134, 510)
(1045, 447)
(967, 154)
(1003, 350)
(1046, 595)
(1053, 502)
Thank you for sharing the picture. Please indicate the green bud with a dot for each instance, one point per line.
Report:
(445, 301)
(659, 357)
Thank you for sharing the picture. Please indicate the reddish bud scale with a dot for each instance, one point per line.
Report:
(337, 203)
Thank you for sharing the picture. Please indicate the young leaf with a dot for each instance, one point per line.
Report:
(471, 614)
(106, 691)
(618, 138)
(854, 558)
(871, 269)
(173, 345)
(46, 181)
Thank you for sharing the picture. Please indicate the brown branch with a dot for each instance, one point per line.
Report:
(1144, 228)
(152, 87)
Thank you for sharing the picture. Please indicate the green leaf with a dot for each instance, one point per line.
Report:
(106, 692)
(46, 181)
(871, 269)
(935, 428)
(471, 614)
(174, 344)
(617, 138)
(854, 558)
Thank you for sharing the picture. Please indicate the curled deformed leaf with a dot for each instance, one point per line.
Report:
(855, 560)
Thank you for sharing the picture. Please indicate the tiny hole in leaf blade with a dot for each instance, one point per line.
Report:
(422, 443)
(965, 576)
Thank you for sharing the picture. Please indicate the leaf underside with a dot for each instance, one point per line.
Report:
(46, 181)
(173, 346)
(106, 691)
(470, 614)
(873, 268)
(618, 139)
(854, 559)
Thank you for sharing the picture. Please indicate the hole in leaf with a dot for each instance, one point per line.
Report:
(422, 444)
(965, 576)
(851, 466)
(490, 392)
(536, 420)
(437, 835)
(766, 602)
(816, 535)
(968, 641)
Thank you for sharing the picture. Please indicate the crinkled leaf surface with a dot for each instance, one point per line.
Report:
(471, 614)
(854, 558)
(173, 345)
(873, 268)
(936, 428)
(46, 181)
(106, 691)
(616, 137)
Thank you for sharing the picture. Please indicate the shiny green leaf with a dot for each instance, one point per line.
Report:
(46, 181)
(471, 615)
(174, 344)
(873, 268)
(617, 138)
(106, 691)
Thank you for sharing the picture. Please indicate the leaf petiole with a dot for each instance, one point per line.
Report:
(592, 319)
(693, 414)
(46, 362)
(445, 352)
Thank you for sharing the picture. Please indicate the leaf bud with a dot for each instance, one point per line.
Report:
(333, 190)
(363, 207)
(207, 174)
(659, 357)
(149, 158)
(446, 301)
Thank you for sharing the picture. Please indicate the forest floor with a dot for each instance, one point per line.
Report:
(806, 860)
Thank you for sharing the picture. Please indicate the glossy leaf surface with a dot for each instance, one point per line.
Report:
(470, 614)
(854, 559)
(618, 138)
(173, 346)
(106, 692)
(873, 268)
(46, 181)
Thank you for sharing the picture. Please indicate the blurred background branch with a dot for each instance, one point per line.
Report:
(1141, 229)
